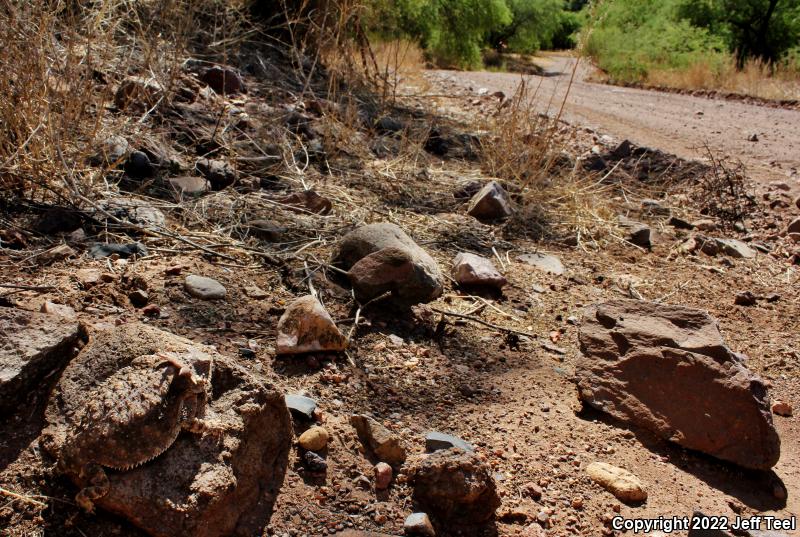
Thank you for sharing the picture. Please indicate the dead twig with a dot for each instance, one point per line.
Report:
(28, 287)
(485, 323)
(22, 497)
(362, 307)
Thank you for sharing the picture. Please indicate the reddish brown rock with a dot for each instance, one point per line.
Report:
(383, 475)
(782, 408)
(666, 368)
(223, 80)
(490, 203)
(386, 270)
(380, 441)
(455, 487)
(381, 258)
(471, 269)
(794, 226)
(305, 326)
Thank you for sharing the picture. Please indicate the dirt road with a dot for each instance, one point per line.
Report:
(679, 124)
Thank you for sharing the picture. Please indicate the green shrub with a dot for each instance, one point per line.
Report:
(631, 37)
(452, 32)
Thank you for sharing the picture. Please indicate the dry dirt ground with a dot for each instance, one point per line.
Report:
(416, 371)
(680, 124)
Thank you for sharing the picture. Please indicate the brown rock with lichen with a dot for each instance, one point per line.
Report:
(382, 258)
(455, 487)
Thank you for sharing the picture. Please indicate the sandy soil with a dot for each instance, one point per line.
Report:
(679, 124)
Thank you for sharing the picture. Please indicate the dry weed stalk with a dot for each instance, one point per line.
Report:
(527, 149)
(757, 79)
(58, 68)
(724, 190)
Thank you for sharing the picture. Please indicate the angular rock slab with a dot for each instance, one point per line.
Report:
(382, 258)
(386, 446)
(32, 345)
(435, 441)
(456, 487)
(544, 262)
(735, 248)
(636, 232)
(300, 405)
(471, 269)
(667, 369)
(490, 203)
(211, 485)
(305, 326)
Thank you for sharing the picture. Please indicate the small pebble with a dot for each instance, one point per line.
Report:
(314, 439)
(383, 476)
(782, 408)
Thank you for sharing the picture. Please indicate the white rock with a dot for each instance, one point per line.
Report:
(544, 262)
(305, 326)
(204, 288)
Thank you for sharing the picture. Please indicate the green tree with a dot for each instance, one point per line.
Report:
(451, 31)
(764, 29)
(463, 27)
(533, 26)
(628, 38)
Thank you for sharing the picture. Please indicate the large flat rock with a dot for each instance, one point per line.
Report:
(667, 369)
(32, 345)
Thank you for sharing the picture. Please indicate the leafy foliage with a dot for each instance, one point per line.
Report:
(764, 29)
(630, 38)
(453, 32)
(534, 25)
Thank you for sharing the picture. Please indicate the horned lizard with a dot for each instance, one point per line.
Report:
(125, 420)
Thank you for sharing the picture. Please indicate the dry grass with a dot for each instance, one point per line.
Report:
(399, 62)
(60, 65)
(756, 79)
(530, 151)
